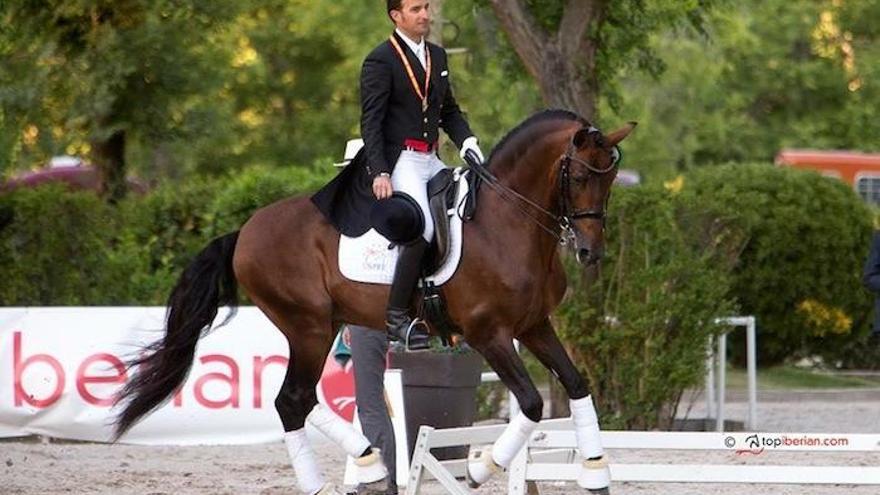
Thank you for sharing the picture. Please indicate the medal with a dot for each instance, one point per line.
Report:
(423, 96)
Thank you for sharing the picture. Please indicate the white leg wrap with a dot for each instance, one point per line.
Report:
(486, 462)
(586, 425)
(370, 467)
(338, 430)
(512, 440)
(308, 477)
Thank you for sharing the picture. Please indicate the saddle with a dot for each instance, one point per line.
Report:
(442, 192)
(442, 189)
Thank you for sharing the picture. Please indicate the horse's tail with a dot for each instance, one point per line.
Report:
(206, 284)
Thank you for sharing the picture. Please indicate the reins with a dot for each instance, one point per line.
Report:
(565, 233)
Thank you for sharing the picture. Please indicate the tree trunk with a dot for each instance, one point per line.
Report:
(436, 34)
(109, 158)
(563, 63)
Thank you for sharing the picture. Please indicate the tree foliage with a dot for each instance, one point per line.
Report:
(100, 72)
(769, 75)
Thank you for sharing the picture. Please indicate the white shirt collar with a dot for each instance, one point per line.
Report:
(417, 48)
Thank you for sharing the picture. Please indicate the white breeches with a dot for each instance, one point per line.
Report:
(411, 175)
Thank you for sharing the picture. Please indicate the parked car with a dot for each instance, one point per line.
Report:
(68, 170)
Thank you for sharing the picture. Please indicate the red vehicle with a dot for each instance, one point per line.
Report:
(67, 170)
(859, 170)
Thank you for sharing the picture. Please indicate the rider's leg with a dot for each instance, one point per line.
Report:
(411, 175)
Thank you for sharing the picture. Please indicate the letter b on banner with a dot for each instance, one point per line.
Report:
(19, 367)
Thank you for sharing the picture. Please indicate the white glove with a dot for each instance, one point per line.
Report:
(471, 144)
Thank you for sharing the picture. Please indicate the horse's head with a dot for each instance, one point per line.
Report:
(588, 169)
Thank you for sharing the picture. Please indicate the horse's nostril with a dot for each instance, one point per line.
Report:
(583, 255)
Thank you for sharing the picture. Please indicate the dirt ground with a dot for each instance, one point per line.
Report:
(32, 467)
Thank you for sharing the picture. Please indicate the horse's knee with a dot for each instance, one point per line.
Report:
(532, 406)
(577, 388)
(293, 407)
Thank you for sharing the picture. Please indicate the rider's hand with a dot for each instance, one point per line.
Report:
(470, 144)
(382, 186)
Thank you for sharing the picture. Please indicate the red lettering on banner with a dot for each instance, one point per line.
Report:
(232, 380)
(259, 364)
(82, 379)
(18, 367)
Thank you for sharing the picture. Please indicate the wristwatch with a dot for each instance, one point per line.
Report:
(384, 174)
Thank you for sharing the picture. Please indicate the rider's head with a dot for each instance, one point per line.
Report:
(412, 17)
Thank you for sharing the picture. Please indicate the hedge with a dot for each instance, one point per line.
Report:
(800, 270)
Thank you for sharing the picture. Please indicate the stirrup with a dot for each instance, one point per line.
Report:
(409, 329)
(404, 339)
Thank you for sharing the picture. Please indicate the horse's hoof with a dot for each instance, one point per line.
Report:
(595, 476)
(371, 470)
(480, 467)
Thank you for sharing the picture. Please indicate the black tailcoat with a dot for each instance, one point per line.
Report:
(391, 113)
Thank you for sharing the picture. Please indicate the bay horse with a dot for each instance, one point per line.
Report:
(547, 181)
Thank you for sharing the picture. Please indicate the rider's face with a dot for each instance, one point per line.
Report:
(413, 18)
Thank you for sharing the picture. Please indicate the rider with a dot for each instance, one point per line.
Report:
(402, 108)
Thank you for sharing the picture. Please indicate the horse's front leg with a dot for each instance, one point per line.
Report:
(503, 358)
(545, 345)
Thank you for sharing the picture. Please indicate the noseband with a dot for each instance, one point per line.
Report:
(567, 216)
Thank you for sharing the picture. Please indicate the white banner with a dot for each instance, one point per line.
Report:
(60, 367)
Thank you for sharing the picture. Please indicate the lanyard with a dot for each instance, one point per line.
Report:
(423, 96)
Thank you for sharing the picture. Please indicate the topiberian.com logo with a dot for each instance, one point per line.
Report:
(755, 444)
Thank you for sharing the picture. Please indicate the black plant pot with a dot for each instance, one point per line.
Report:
(439, 390)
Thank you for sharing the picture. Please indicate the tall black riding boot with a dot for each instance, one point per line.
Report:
(406, 275)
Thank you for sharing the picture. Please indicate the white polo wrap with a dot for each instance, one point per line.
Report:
(338, 430)
(586, 425)
(302, 457)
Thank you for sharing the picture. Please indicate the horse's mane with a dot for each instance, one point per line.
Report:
(542, 116)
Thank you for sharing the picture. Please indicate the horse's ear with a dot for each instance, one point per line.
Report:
(586, 136)
(620, 134)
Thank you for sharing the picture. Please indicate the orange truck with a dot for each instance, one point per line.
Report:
(860, 170)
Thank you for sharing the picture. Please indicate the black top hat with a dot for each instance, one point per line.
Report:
(398, 218)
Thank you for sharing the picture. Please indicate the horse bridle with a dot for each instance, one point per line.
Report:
(565, 219)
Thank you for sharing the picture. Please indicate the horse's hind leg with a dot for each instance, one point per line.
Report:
(545, 345)
(503, 358)
(297, 403)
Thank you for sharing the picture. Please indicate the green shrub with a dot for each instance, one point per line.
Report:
(55, 249)
(163, 231)
(256, 187)
(800, 270)
(639, 329)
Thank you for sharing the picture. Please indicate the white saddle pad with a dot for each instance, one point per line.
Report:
(368, 259)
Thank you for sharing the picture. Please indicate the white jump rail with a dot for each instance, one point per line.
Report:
(551, 456)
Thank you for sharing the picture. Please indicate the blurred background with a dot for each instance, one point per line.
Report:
(133, 131)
